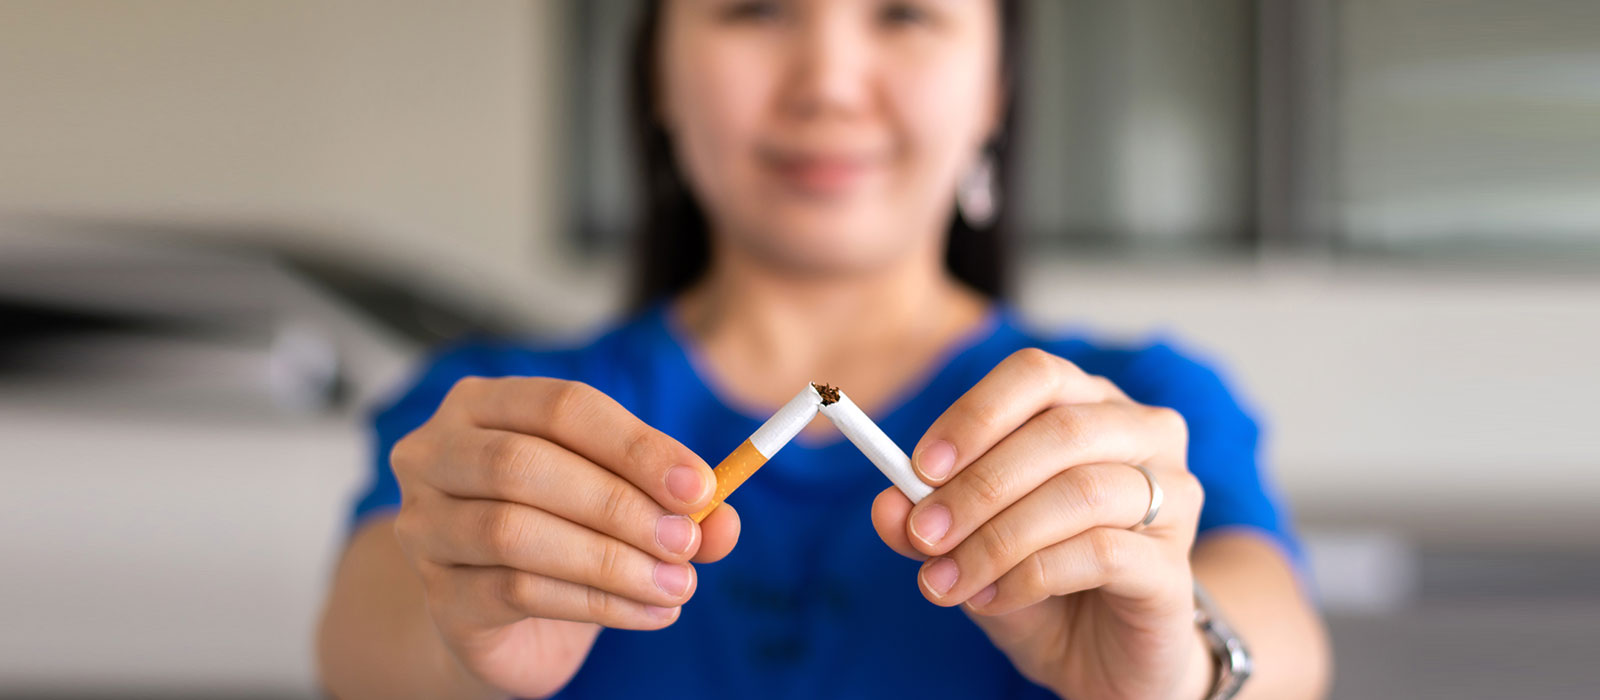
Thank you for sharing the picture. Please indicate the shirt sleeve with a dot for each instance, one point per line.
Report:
(1224, 443)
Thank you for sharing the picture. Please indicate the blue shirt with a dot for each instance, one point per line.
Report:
(811, 603)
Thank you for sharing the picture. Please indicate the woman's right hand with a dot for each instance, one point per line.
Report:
(538, 510)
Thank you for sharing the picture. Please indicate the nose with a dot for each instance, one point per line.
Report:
(830, 70)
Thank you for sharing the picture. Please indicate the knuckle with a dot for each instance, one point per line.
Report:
(1171, 428)
(1088, 487)
(1110, 551)
(609, 561)
(1106, 387)
(465, 394)
(1067, 424)
(517, 590)
(988, 487)
(568, 399)
(409, 453)
(501, 532)
(987, 417)
(500, 451)
(466, 388)
(614, 503)
(1189, 487)
(641, 448)
(1034, 576)
(1171, 421)
(506, 456)
(466, 401)
(599, 605)
(1000, 543)
(403, 456)
(1035, 359)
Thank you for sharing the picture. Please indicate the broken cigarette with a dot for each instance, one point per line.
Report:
(765, 442)
(762, 445)
(871, 440)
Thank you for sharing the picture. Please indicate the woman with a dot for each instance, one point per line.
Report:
(804, 160)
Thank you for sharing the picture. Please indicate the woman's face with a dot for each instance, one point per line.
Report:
(827, 136)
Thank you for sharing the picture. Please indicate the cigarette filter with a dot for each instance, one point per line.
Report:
(762, 445)
(876, 445)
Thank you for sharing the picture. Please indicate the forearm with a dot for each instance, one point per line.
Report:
(375, 638)
(1255, 586)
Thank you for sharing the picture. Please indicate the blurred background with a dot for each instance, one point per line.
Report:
(227, 227)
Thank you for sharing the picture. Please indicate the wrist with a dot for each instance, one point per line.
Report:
(1200, 674)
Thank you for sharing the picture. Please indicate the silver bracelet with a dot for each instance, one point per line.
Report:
(1228, 651)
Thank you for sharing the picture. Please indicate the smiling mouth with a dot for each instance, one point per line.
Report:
(821, 173)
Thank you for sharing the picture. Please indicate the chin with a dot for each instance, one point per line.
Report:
(836, 247)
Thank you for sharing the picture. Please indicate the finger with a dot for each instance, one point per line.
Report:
(537, 472)
(721, 533)
(1112, 495)
(1024, 384)
(889, 512)
(1062, 437)
(589, 423)
(497, 533)
(1121, 563)
(510, 595)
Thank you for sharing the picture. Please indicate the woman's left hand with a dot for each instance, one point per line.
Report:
(1029, 531)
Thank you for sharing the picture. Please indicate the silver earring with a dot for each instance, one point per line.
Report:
(976, 194)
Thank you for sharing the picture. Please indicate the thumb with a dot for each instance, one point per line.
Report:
(889, 513)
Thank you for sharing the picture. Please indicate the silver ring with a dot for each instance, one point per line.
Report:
(1156, 497)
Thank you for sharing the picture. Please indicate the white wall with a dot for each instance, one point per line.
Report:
(402, 133)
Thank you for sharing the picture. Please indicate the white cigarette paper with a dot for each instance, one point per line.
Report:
(879, 449)
(787, 422)
(765, 442)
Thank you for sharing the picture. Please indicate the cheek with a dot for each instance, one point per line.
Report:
(941, 109)
(719, 93)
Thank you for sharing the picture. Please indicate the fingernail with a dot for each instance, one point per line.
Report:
(685, 484)
(930, 524)
(982, 598)
(659, 612)
(936, 460)
(940, 575)
(672, 579)
(675, 533)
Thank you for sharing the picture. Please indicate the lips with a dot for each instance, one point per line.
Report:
(821, 173)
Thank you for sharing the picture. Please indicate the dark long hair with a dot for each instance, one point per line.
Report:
(673, 248)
